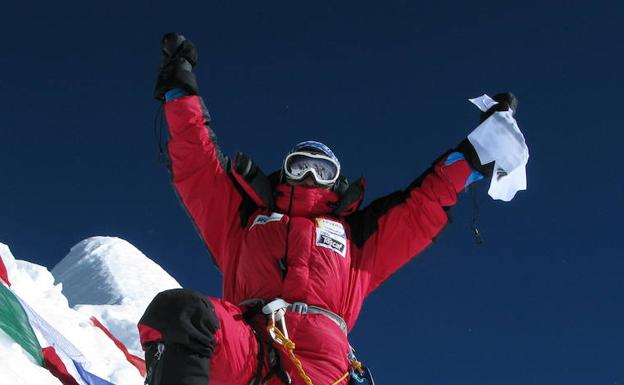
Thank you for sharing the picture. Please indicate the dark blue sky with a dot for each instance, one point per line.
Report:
(385, 85)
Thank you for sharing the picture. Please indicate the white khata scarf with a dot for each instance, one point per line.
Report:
(500, 140)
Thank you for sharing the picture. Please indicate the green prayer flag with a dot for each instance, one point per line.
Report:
(14, 322)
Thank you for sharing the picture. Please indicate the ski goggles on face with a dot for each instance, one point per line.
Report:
(324, 169)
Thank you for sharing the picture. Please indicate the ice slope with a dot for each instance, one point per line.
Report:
(111, 279)
(109, 271)
(99, 277)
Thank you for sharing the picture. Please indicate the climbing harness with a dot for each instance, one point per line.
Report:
(253, 307)
(359, 372)
(276, 310)
(277, 330)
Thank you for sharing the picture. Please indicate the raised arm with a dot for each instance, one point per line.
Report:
(395, 228)
(200, 172)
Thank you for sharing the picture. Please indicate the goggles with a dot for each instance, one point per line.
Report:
(324, 169)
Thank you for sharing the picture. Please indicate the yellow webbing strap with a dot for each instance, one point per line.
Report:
(338, 381)
(289, 345)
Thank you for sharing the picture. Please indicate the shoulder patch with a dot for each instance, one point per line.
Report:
(264, 219)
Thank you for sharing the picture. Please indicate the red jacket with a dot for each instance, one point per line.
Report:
(334, 260)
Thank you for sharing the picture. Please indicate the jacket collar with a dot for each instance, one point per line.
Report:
(300, 201)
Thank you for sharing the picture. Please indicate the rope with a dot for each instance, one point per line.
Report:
(158, 134)
(475, 215)
(338, 381)
(289, 345)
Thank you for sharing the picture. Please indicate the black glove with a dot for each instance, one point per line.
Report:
(466, 148)
(179, 58)
(505, 101)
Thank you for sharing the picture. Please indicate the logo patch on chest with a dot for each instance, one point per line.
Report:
(264, 219)
(332, 235)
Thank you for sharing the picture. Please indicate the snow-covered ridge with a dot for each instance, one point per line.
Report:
(103, 277)
(107, 271)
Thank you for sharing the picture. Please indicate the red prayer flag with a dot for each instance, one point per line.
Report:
(4, 276)
(55, 365)
(137, 362)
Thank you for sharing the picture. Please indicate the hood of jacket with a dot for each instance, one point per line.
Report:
(304, 201)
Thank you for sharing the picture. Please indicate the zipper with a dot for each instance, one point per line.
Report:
(160, 348)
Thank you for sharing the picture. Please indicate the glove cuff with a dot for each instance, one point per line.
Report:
(175, 93)
(456, 170)
(172, 77)
(469, 152)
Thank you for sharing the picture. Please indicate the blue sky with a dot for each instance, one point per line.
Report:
(385, 84)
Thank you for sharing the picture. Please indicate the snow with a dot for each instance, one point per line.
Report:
(18, 368)
(104, 277)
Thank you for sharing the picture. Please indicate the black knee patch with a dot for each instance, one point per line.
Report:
(184, 317)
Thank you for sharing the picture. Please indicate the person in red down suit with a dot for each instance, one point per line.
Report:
(297, 253)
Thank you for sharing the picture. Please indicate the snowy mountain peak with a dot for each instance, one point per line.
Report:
(111, 281)
(109, 270)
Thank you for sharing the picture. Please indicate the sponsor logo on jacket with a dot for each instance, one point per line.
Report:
(264, 219)
(331, 235)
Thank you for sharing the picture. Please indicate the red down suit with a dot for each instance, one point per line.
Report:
(334, 258)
